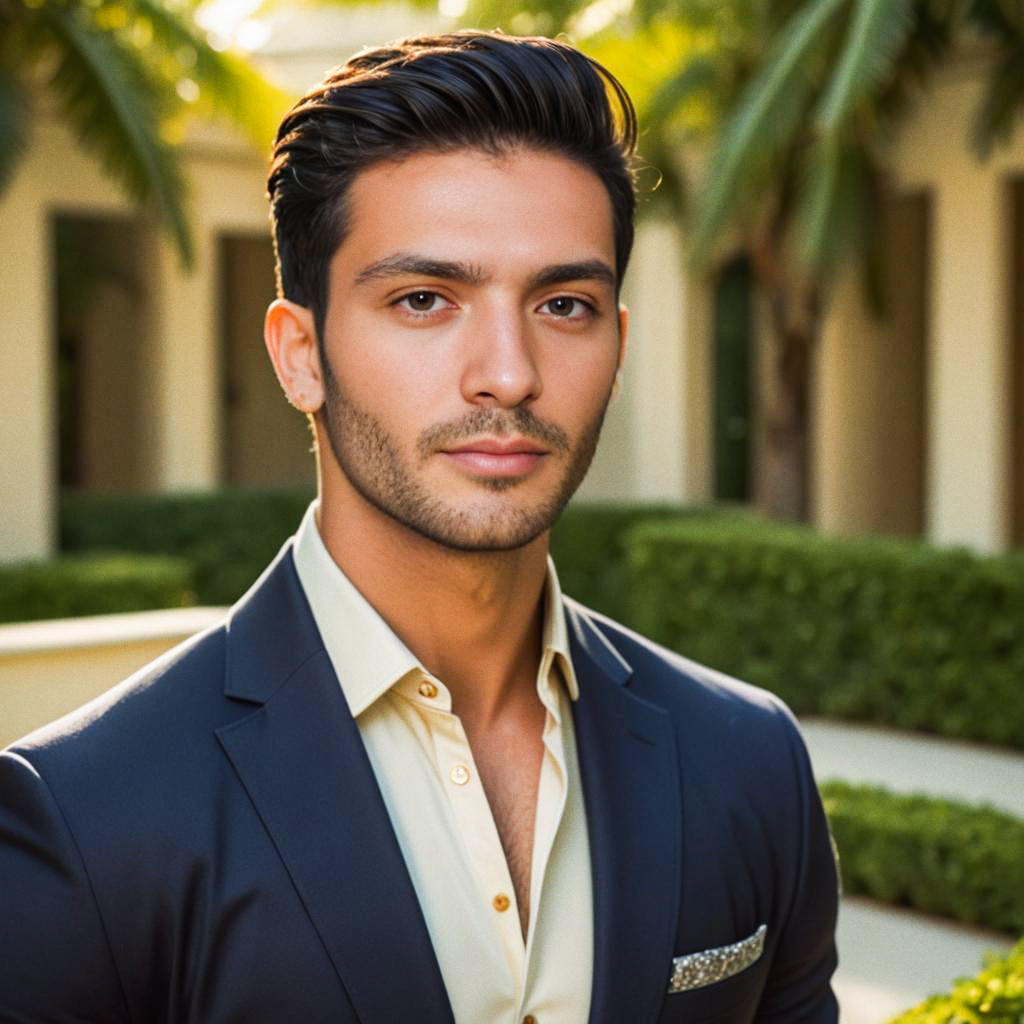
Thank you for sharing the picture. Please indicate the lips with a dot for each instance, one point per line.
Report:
(498, 456)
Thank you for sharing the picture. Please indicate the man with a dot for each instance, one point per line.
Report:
(407, 780)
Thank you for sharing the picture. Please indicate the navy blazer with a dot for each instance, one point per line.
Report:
(208, 843)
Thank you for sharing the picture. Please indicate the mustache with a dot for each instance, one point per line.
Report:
(500, 423)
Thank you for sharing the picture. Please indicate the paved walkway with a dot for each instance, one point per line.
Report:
(910, 763)
(892, 959)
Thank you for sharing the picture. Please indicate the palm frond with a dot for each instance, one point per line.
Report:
(767, 113)
(878, 32)
(1001, 106)
(698, 75)
(1003, 99)
(110, 101)
(14, 125)
(227, 84)
(832, 218)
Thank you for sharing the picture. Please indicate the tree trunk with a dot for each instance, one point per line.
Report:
(782, 477)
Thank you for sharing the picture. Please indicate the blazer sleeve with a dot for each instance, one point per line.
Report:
(56, 963)
(799, 989)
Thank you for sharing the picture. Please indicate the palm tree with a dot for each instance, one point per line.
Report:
(124, 74)
(790, 105)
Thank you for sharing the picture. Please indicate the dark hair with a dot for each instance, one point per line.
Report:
(477, 90)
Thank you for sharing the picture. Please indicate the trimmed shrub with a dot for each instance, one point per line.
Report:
(229, 536)
(996, 996)
(588, 544)
(877, 630)
(94, 585)
(937, 856)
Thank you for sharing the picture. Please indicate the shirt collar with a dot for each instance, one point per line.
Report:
(367, 655)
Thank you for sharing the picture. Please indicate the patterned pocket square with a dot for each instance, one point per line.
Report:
(695, 970)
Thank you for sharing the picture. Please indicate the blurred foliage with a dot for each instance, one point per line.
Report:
(994, 996)
(768, 123)
(228, 536)
(788, 104)
(588, 545)
(124, 75)
(938, 856)
(877, 630)
(92, 585)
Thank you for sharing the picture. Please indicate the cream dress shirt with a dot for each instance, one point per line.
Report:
(440, 813)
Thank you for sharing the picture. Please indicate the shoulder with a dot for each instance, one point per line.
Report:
(719, 719)
(139, 715)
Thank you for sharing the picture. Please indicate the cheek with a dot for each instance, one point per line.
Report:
(583, 386)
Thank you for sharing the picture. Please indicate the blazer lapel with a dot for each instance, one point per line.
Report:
(630, 772)
(301, 760)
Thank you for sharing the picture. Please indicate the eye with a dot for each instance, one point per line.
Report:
(423, 301)
(567, 308)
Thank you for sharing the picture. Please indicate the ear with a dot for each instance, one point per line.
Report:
(623, 336)
(290, 337)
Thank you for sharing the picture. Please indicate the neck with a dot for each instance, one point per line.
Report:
(472, 619)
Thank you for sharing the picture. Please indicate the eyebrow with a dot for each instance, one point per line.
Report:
(401, 264)
(584, 270)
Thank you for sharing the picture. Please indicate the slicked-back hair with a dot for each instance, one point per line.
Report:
(483, 91)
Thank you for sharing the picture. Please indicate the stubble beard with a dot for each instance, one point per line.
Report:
(375, 467)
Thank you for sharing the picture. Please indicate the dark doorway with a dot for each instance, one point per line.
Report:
(732, 369)
(102, 347)
(266, 443)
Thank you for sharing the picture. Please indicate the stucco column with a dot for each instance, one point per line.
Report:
(184, 379)
(968, 408)
(27, 395)
(656, 360)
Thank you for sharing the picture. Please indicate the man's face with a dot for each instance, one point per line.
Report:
(472, 338)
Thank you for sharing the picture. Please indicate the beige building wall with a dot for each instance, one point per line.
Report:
(643, 450)
(54, 175)
(957, 255)
(970, 458)
(870, 409)
(166, 433)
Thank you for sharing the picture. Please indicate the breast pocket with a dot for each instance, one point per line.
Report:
(722, 984)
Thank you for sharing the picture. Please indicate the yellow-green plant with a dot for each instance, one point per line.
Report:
(122, 74)
(995, 996)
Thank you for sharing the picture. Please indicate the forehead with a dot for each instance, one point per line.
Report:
(506, 214)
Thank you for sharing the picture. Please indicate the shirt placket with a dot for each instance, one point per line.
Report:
(477, 832)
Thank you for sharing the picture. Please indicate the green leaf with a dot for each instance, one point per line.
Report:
(832, 218)
(878, 31)
(227, 84)
(767, 114)
(108, 97)
(1001, 105)
(14, 125)
(698, 74)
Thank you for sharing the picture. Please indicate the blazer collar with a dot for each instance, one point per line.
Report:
(630, 770)
(302, 762)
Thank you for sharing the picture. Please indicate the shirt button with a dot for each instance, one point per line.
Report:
(428, 689)
(501, 903)
(459, 775)
(529, 1019)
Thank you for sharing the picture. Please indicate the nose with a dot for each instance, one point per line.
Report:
(500, 368)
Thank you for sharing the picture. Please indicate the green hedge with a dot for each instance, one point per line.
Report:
(937, 856)
(995, 996)
(876, 630)
(92, 585)
(588, 544)
(231, 535)
(228, 536)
